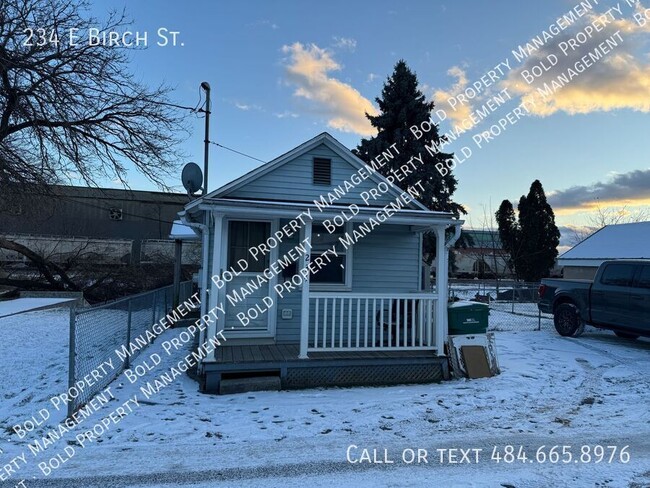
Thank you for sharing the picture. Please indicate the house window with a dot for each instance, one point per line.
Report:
(334, 271)
(618, 275)
(243, 235)
(322, 171)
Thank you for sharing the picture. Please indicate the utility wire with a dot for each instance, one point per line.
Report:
(238, 152)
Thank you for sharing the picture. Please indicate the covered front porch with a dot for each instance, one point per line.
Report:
(368, 317)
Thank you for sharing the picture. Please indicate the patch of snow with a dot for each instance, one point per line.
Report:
(552, 391)
(22, 305)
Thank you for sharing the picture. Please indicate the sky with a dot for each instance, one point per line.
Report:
(282, 72)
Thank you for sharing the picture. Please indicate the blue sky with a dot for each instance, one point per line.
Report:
(283, 71)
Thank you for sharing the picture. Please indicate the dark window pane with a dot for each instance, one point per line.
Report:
(321, 239)
(238, 233)
(242, 236)
(644, 278)
(618, 275)
(333, 272)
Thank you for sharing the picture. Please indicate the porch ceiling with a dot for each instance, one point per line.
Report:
(293, 209)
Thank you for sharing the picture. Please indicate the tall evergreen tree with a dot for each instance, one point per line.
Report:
(532, 240)
(508, 231)
(402, 105)
(539, 234)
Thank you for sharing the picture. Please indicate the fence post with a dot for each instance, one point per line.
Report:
(72, 355)
(539, 319)
(514, 293)
(127, 362)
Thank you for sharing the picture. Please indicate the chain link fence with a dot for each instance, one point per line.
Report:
(513, 304)
(96, 332)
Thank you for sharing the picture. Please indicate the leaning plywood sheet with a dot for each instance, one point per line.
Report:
(455, 342)
(476, 361)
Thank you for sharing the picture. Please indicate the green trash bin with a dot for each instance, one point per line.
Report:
(467, 317)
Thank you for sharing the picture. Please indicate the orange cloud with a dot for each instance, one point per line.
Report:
(619, 80)
(459, 115)
(308, 69)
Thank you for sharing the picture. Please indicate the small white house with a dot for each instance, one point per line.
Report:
(314, 262)
(621, 241)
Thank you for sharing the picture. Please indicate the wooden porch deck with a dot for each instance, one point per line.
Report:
(289, 352)
(354, 368)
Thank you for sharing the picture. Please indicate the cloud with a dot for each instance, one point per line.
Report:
(460, 113)
(264, 23)
(371, 77)
(570, 235)
(246, 106)
(285, 114)
(308, 68)
(619, 80)
(631, 188)
(345, 43)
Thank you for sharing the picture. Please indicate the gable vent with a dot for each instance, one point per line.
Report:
(322, 171)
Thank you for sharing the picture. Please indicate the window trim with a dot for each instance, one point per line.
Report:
(349, 259)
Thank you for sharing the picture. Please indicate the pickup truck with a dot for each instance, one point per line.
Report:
(617, 299)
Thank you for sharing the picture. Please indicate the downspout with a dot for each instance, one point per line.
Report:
(452, 240)
(203, 279)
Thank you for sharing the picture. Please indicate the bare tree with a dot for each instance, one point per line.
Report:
(73, 108)
(617, 215)
(490, 249)
(604, 216)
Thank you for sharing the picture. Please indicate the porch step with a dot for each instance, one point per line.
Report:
(243, 385)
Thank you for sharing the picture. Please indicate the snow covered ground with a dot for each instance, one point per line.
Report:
(20, 305)
(589, 391)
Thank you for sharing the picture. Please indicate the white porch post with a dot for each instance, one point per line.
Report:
(305, 233)
(213, 295)
(441, 290)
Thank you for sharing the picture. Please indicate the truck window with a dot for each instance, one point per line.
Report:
(618, 275)
(644, 278)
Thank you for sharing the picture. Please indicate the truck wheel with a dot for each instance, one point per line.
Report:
(567, 320)
(625, 335)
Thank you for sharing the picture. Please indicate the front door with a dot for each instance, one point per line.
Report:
(245, 289)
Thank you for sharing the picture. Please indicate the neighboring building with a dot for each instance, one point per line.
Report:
(621, 241)
(483, 258)
(357, 314)
(119, 225)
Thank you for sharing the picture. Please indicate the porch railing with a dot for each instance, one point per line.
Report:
(372, 322)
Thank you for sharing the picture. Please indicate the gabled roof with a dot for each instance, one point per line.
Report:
(323, 138)
(621, 241)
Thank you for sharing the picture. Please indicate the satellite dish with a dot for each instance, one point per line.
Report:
(192, 178)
